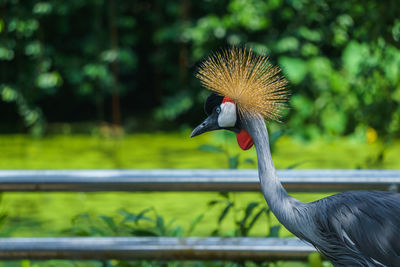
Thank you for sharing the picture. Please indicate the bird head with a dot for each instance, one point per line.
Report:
(223, 114)
(242, 84)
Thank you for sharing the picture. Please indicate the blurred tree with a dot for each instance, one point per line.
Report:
(59, 62)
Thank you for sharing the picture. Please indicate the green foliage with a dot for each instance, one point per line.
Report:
(245, 216)
(57, 51)
(126, 224)
(342, 59)
(149, 223)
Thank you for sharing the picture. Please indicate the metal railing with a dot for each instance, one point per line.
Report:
(154, 248)
(195, 180)
(170, 248)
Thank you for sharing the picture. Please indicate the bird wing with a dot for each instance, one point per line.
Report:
(361, 223)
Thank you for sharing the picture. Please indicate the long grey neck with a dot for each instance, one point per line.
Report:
(286, 209)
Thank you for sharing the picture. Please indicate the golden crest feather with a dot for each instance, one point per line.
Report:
(250, 80)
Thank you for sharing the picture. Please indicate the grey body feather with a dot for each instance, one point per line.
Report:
(359, 228)
(356, 228)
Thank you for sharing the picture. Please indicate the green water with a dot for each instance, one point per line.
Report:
(178, 151)
(47, 214)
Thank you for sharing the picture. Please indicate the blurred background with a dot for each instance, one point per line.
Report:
(110, 84)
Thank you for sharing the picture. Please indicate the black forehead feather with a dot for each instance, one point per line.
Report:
(212, 101)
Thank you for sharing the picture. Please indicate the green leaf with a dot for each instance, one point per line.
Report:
(173, 106)
(309, 49)
(255, 218)
(287, 44)
(6, 54)
(33, 48)
(96, 72)
(8, 94)
(249, 209)
(109, 56)
(176, 231)
(294, 68)
(353, 55)
(311, 35)
(249, 161)
(215, 232)
(194, 223)
(234, 161)
(210, 148)
(49, 80)
(84, 216)
(214, 202)
(109, 221)
(129, 217)
(225, 212)
(42, 8)
(160, 225)
(304, 107)
(274, 231)
(225, 195)
(171, 222)
(144, 232)
(97, 231)
(334, 119)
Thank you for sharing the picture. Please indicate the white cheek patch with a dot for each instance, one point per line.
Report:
(227, 116)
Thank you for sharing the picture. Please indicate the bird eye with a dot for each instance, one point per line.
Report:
(218, 110)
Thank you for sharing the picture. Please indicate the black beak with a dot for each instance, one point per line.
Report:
(209, 124)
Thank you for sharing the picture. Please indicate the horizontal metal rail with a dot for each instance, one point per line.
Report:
(154, 248)
(195, 180)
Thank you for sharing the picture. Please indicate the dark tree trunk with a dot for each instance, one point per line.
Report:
(183, 49)
(116, 113)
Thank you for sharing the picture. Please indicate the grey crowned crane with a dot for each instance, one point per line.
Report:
(355, 228)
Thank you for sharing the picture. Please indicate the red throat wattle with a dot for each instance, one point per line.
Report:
(243, 138)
